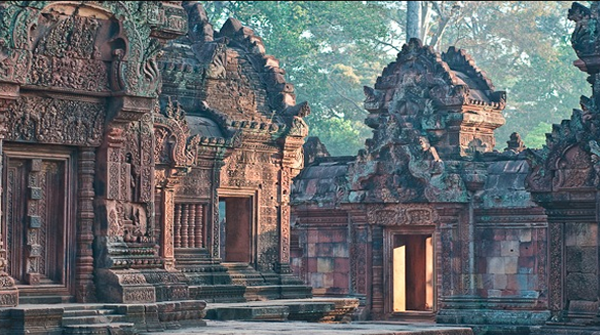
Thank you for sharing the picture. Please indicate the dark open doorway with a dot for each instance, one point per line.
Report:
(235, 215)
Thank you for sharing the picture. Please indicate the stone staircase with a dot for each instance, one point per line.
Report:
(96, 320)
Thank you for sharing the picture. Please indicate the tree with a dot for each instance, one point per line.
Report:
(413, 20)
(536, 138)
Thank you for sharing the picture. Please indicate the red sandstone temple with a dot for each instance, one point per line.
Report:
(147, 161)
(428, 221)
(148, 165)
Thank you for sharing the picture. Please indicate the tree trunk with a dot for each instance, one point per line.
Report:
(413, 20)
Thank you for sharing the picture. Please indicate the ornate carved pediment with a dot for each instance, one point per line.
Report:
(240, 81)
(92, 46)
(445, 97)
(426, 109)
(174, 145)
(573, 170)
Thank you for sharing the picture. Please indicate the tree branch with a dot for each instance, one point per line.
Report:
(362, 110)
(387, 44)
(440, 31)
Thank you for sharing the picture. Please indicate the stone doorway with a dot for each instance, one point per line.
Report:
(236, 218)
(410, 273)
(38, 209)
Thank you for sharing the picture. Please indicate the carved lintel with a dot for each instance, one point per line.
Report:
(401, 214)
(170, 21)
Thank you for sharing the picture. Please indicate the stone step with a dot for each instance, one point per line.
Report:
(78, 307)
(312, 310)
(92, 319)
(270, 313)
(120, 328)
(87, 312)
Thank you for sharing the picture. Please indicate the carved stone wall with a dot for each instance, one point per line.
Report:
(148, 161)
(67, 71)
(430, 171)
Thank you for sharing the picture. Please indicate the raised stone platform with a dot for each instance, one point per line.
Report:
(101, 319)
(313, 310)
(307, 328)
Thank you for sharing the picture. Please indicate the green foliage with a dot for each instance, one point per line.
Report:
(330, 49)
(342, 136)
(536, 138)
(532, 60)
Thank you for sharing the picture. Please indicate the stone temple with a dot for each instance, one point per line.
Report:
(429, 222)
(152, 165)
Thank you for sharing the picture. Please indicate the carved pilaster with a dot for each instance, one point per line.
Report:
(9, 294)
(34, 222)
(85, 220)
(292, 163)
(377, 281)
(359, 259)
(556, 273)
(284, 214)
(167, 242)
(214, 245)
(465, 256)
(114, 142)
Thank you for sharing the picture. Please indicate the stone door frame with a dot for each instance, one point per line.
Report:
(389, 233)
(253, 195)
(68, 155)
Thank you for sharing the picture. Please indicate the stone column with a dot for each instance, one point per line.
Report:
(167, 210)
(86, 290)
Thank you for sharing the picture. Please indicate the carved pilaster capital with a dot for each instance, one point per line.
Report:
(114, 137)
(8, 93)
(125, 109)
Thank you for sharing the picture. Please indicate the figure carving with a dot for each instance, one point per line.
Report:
(424, 163)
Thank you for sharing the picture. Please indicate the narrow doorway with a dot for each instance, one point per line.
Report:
(235, 215)
(412, 273)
